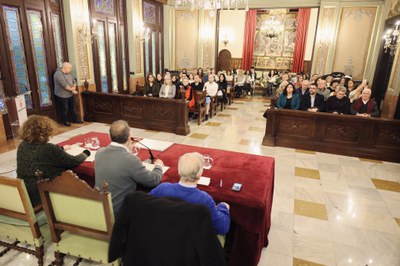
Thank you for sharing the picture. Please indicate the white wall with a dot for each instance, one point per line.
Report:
(232, 23)
(312, 28)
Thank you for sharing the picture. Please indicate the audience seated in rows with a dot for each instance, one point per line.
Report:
(126, 169)
(36, 153)
(190, 168)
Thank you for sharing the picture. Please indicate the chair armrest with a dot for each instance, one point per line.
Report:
(38, 209)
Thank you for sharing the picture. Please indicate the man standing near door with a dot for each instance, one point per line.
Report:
(64, 91)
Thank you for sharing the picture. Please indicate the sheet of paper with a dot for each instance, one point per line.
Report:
(205, 181)
(156, 145)
(75, 150)
(150, 167)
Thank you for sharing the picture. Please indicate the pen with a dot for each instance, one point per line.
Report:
(220, 183)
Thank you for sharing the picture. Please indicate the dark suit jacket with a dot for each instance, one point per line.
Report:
(151, 231)
(319, 102)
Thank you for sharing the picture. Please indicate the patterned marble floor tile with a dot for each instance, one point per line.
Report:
(301, 262)
(198, 136)
(370, 161)
(308, 173)
(258, 129)
(314, 249)
(397, 221)
(269, 258)
(386, 185)
(310, 209)
(305, 151)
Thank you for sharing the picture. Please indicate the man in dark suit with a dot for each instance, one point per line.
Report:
(313, 101)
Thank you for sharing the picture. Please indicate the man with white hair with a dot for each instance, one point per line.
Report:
(190, 168)
(365, 106)
(64, 91)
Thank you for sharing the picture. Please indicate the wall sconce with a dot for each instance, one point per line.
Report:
(225, 39)
(392, 39)
(144, 33)
(85, 33)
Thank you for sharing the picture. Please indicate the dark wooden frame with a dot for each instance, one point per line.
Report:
(46, 8)
(373, 138)
(158, 29)
(152, 113)
(70, 184)
(118, 20)
(199, 107)
(39, 251)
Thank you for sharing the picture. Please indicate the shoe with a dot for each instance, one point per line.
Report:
(67, 124)
(206, 118)
(78, 122)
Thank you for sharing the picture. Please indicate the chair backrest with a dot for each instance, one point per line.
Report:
(200, 97)
(72, 205)
(15, 204)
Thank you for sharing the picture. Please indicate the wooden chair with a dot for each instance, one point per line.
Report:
(213, 106)
(80, 218)
(19, 222)
(200, 106)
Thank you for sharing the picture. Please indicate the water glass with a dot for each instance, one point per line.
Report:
(95, 143)
(208, 161)
(135, 150)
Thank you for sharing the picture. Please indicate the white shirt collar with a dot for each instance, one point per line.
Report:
(187, 185)
(365, 102)
(120, 145)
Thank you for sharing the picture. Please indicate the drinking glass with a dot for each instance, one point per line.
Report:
(95, 143)
(88, 143)
(135, 150)
(208, 161)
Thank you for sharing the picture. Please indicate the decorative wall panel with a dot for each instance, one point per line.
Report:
(353, 40)
(208, 37)
(124, 79)
(102, 56)
(324, 39)
(83, 55)
(394, 8)
(113, 56)
(104, 6)
(187, 24)
(57, 39)
(138, 53)
(15, 41)
(275, 53)
(39, 51)
(149, 13)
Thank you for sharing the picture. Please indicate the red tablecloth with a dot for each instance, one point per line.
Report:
(250, 208)
(86, 170)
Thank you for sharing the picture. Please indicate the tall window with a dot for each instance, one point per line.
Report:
(109, 48)
(31, 49)
(153, 46)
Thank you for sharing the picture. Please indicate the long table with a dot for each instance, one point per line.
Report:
(250, 208)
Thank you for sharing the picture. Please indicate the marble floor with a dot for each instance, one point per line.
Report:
(327, 209)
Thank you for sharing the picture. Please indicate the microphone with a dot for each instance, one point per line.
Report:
(151, 154)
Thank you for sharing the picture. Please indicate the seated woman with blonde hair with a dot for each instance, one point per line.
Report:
(168, 90)
(36, 153)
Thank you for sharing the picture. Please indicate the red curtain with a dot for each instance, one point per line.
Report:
(249, 34)
(301, 37)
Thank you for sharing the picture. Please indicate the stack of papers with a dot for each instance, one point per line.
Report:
(150, 167)
(205, 181)
(156, 145)
(76, 150)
